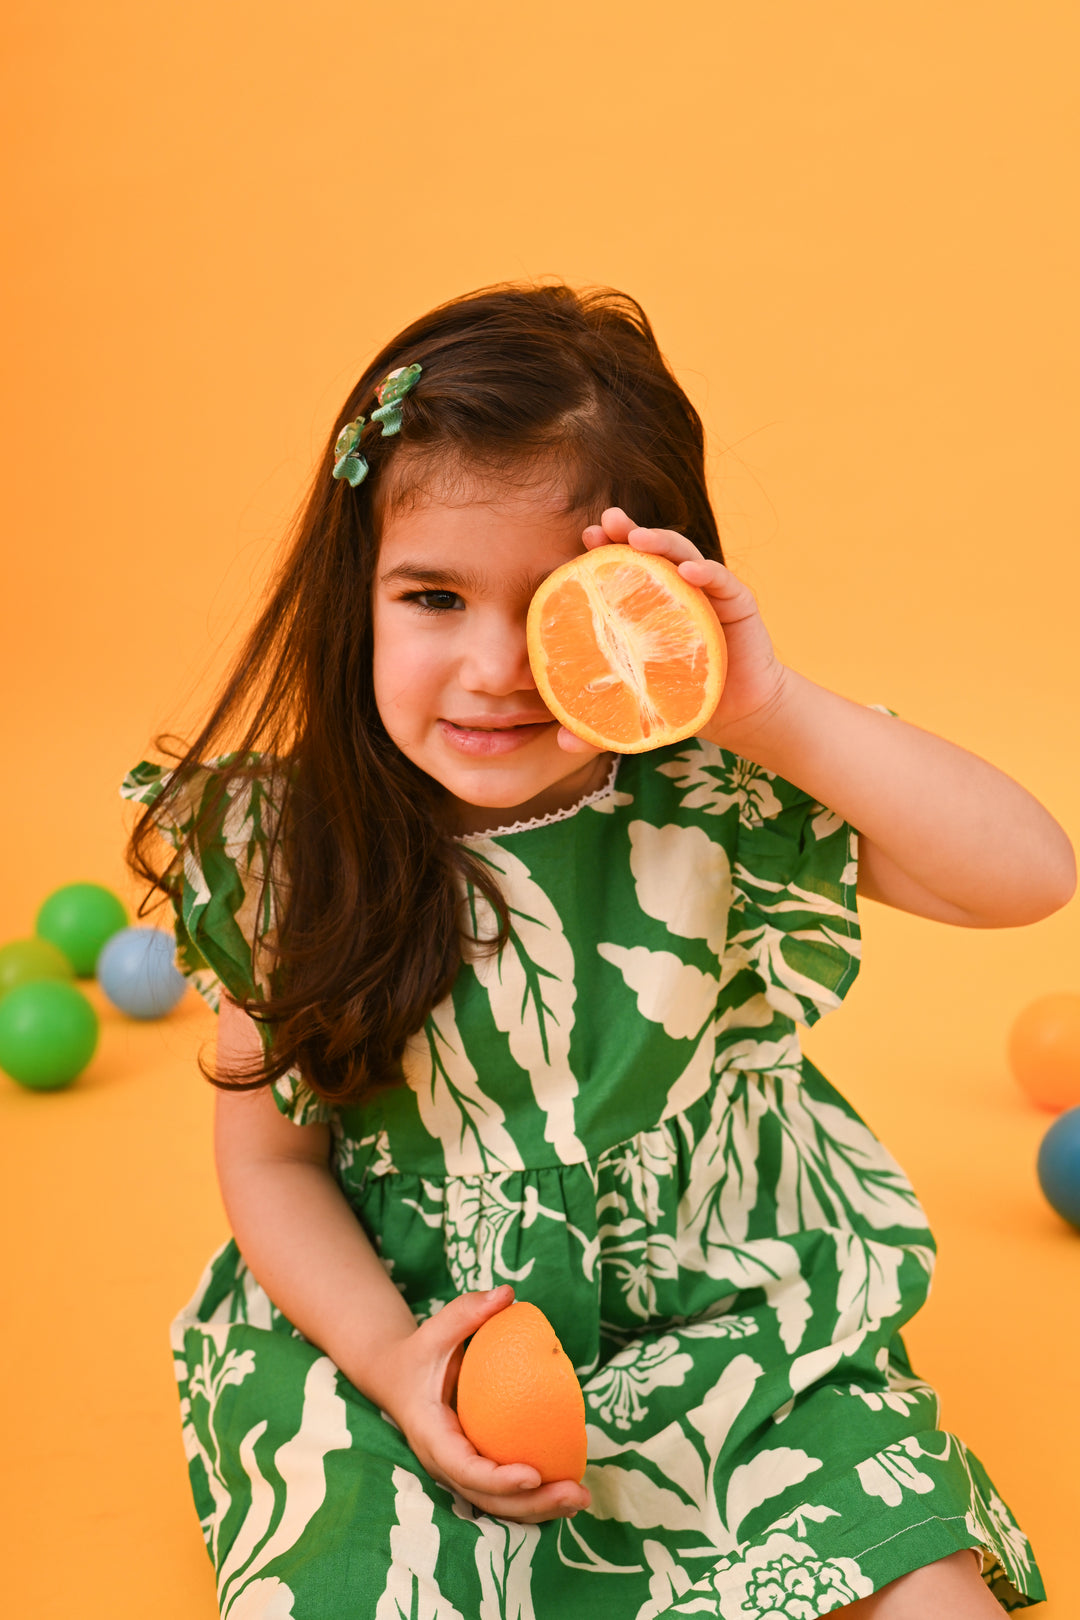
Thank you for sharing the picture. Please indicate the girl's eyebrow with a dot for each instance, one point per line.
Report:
(448, 578)
(430, 576)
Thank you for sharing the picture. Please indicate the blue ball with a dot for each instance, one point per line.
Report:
(1058, 1165)
(137, 971)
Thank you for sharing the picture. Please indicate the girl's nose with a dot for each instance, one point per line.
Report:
(495, 659)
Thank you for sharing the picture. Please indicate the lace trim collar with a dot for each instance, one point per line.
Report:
(555, 815)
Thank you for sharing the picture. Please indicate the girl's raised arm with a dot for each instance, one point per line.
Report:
(307, 1249)
(942, 833)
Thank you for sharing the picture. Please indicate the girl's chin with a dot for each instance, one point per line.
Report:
(484, 800)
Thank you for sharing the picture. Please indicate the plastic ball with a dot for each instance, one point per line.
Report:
(138, 973)
(1058, 1166)
(23, 961)
(79, 918)
(48, 1032)
(1044, 1051)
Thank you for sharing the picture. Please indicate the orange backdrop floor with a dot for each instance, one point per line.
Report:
(112, 1210)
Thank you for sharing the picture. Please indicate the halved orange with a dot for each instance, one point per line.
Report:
(624, 651)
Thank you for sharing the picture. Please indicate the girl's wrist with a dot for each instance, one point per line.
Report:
(377, 1370)
(764, 734)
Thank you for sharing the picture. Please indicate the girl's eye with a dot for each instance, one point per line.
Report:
(435, 601)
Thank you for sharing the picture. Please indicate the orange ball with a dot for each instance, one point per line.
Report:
(518, 1398)
(1044, 1051)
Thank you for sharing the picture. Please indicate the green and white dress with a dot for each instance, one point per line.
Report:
(614, 1116)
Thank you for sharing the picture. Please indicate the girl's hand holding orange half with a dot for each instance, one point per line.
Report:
(415, 1387)
(755, 675)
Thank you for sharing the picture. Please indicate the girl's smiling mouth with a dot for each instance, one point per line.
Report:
(490, 734)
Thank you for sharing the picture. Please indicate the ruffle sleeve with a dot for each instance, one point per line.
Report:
(794, 914)
(217, 894)
(795, 918)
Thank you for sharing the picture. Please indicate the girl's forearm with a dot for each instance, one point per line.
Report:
(948, 819)
(309, 1252)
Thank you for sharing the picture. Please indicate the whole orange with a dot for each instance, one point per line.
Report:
(518, 1398)
(1044, 1051)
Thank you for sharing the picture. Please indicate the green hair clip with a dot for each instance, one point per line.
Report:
(348, 461)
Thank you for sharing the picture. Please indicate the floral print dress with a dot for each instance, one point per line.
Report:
(615, 1116)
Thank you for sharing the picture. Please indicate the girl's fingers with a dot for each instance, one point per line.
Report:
(460, 1317)
(458, 1459)
(572, 744)
(508, 1490)
(713, 578)
(504, 1491)
(614, 526)
(665, 543)
(537, 1507)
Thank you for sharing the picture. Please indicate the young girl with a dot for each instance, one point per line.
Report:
(502, 1015)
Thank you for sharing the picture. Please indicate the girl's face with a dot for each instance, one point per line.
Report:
(451, 670)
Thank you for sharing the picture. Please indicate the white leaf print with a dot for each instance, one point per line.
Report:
(785, 984)
(504, 1555)
(530, 986)
(797, 1206)
(768, 1570)
(194, 874)
(619, 1391)
(806, 1370)
(612, 801)
(242, 848)
(792, 897)
(834, 1172)
(798, 1518)
(868, 1292)
(639, 1165)
(869, 1281)
(265, 1599)
(215, 1372)
(300, 1463)
(479, 1217)
(715, 1416)
(766, 1057)
(629, 1493)
(670, 1452)
(825, 823)
(722, 1184)
(713, 782)
(1001, 1526)
(695, 1079)
(767, 1474)
(670, 992)
(892, 1472)
(683, 879)
(454, 1109)
(865, 1171)
(790, 1299)
(760, 945)
(765, 1263)
(667, 1581)
(411, 1591)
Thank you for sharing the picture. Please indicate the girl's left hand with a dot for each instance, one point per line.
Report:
(755, 675)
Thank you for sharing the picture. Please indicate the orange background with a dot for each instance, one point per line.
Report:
(853, 228)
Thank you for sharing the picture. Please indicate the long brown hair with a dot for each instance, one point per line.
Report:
(518, 381)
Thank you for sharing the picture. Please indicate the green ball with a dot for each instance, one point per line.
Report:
(24, 961)
(80, 918)
(48, 1032)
